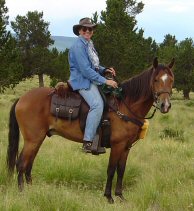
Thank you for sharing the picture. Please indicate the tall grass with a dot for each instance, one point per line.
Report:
(159, 173)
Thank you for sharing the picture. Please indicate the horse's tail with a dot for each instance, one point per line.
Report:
(13, 144)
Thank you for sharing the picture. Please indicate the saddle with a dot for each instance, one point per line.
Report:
(65, 103)
(69, 104)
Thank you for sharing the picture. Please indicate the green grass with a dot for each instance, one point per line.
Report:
(159, 174)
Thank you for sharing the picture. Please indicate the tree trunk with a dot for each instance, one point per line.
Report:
(41, 80)
(186, 94)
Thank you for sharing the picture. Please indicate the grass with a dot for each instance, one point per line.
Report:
(159, 174)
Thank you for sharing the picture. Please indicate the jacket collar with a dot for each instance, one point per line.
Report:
(83, 40)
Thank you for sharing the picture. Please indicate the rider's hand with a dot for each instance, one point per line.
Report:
(111, 70)
(112, 83)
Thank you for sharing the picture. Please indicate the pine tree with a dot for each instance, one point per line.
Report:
(118, 40)
(184, 72)
(33, 38)
(10, 67)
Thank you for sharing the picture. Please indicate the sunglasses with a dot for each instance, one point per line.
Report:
(84, 29)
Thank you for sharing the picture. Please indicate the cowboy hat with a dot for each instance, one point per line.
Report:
(83, 22)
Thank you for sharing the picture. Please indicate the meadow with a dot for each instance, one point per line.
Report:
(159, 174)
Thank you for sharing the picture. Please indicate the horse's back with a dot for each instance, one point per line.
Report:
(34, 100)
(35, 94)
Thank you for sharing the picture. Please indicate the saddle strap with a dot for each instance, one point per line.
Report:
(126, 118)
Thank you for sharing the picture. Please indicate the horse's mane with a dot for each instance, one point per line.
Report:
(140, 85)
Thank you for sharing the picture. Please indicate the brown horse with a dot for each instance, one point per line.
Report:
(31, 115)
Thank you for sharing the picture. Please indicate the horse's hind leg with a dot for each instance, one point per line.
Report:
(28, 173)
(120, 173)
(25, 161)
(30, 164)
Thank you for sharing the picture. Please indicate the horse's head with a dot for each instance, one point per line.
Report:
(161, 83)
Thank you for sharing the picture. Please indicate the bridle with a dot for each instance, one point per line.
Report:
(156, 97)
(157, 94)
(155, 105)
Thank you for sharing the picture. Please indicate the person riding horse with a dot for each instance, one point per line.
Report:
(85, 76)
(31, 114)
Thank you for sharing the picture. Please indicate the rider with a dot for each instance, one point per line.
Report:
(86, 75)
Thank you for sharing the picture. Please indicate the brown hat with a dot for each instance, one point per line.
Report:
(83, 22)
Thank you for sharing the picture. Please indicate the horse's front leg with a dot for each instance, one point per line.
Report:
(120, 173)
(115, 154)
(110, 174)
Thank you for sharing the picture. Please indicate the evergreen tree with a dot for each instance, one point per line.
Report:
(60, 67)
(33, 39)
(118, 40)
(168, 49)
(10, 66)
(184, 72)
(183, 53)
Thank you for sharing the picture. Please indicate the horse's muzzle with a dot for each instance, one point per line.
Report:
(165, 106)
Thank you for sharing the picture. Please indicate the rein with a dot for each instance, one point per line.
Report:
(155, 95)
(134, 120)
(126, 118)
(150, 117)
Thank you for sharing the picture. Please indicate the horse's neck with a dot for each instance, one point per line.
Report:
(140, 107)
(139, 97)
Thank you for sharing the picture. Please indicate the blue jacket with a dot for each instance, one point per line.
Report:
(82, 72)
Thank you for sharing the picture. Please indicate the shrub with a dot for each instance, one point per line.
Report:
(175, 134)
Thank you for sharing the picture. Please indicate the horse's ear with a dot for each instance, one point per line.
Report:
(155, 62)
(171, 63)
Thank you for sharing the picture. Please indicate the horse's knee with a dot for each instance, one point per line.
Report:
(120, 170)
(111, 171)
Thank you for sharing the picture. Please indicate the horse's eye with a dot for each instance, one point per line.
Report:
(156, 80)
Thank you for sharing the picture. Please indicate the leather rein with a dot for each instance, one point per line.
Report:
(155, 96)
(136, 119)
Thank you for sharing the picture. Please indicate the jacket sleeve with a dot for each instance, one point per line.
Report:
(82, 60)
(102, 69)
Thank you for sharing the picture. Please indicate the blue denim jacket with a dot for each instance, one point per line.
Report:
(82, 72)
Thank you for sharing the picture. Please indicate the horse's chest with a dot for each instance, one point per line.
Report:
(125, 132)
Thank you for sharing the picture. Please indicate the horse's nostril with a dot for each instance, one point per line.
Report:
(162, 105)
(169, 105)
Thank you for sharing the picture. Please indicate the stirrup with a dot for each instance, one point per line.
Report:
(95, 148)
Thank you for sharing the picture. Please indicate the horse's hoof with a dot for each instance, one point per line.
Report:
(29, 182)
(110, 199)
(20, 188)
(121, 198)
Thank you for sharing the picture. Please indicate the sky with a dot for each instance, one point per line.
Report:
(159, 17)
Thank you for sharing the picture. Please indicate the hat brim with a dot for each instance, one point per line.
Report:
(77, 27)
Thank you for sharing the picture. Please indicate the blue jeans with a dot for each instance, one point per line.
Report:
(95, 102)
